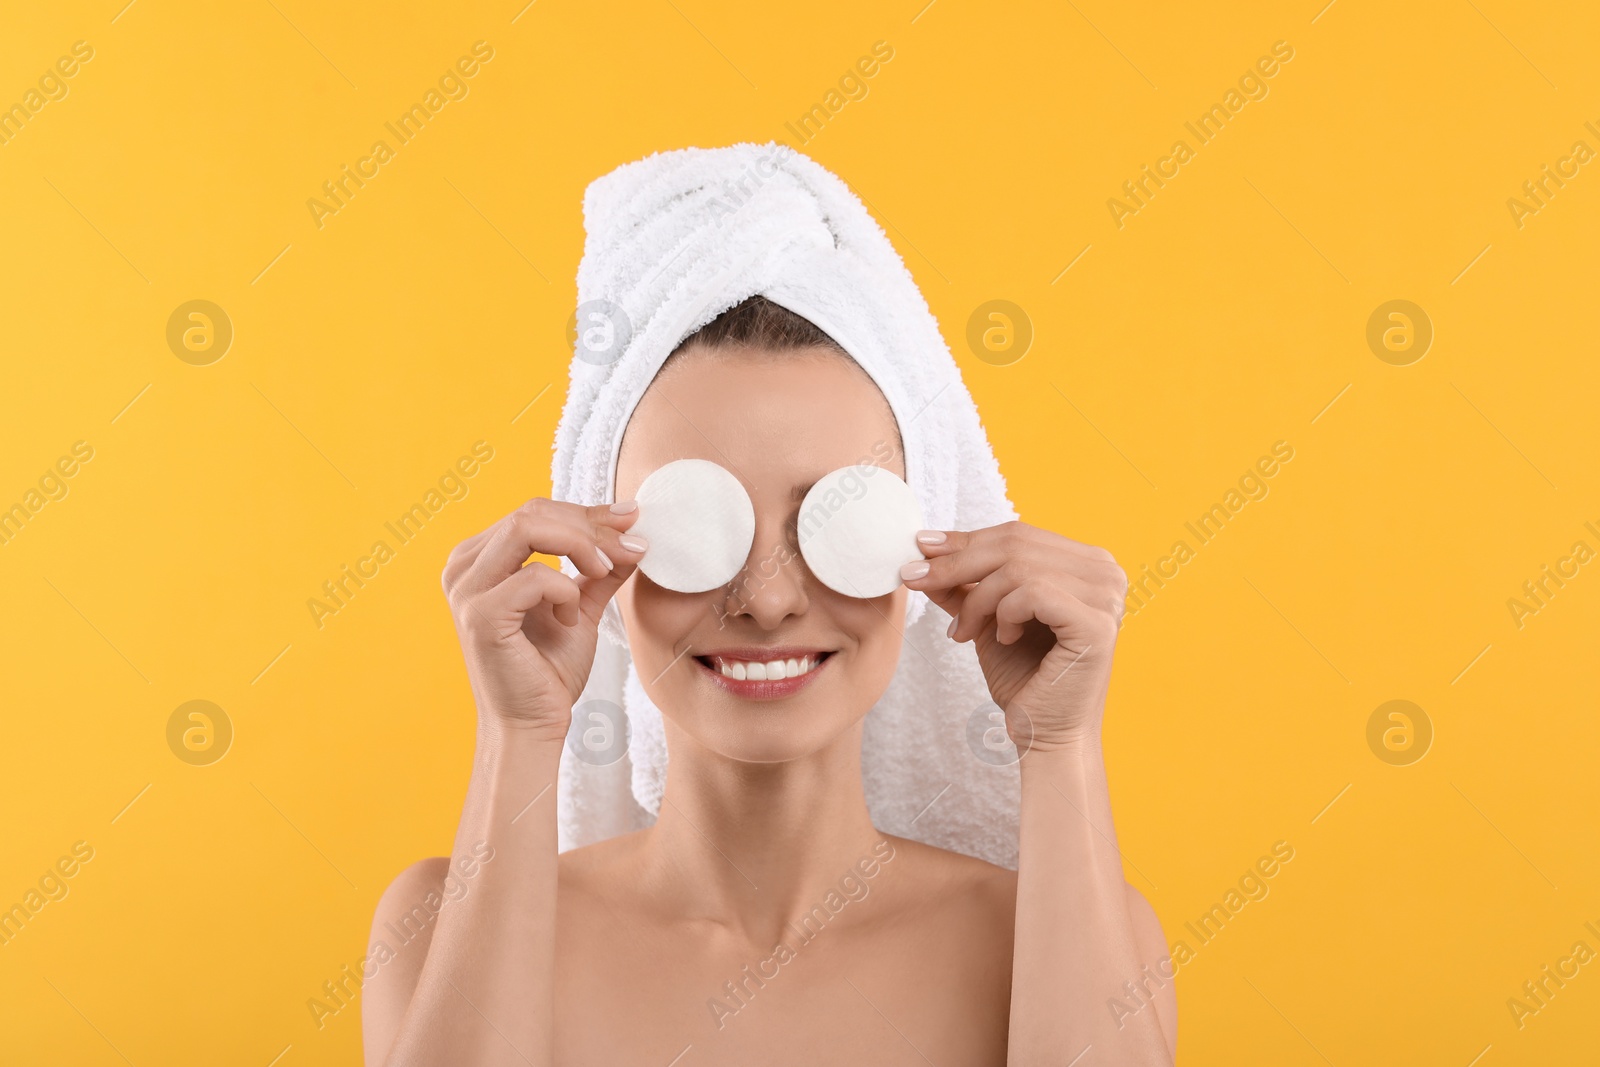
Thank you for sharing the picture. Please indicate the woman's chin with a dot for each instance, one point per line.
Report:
(767, 734)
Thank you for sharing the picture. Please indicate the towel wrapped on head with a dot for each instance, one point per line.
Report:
(672, 242)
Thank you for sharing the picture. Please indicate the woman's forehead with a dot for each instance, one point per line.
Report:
(777, 420)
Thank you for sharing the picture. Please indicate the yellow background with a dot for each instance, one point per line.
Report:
(1226, 315)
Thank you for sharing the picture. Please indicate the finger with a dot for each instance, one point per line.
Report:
(981, 605)
(946, 542)
(587, 536)
(1037, 601)
(597, 592)
(982, 552)
(616, 548)
(978, 603)
(630, 549)
(1061, 610)
(539, 526)
(618, 516)
(624, 551)
(526, 590)
(976, 560)
(463, 555)
(949, 599)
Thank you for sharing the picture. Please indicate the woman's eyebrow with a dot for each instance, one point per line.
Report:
(798, 493)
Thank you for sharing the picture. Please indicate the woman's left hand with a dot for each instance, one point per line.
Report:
(1043, 612)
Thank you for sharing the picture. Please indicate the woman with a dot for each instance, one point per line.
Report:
(762, 917)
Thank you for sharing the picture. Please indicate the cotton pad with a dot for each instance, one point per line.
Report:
(700, 525)
(858, 526)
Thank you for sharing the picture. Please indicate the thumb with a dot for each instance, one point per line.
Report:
(622, 552)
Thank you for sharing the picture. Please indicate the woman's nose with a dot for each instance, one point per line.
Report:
(772, 585)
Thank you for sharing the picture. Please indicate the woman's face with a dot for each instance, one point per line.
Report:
(778, 421)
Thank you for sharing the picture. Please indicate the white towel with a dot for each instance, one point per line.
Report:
(674, 240)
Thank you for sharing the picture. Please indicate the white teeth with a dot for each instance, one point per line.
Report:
(771, 670)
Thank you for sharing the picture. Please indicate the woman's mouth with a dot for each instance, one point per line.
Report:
(764, 673)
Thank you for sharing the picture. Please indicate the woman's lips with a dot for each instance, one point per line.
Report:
(723, 667)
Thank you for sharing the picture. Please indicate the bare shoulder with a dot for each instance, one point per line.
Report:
(420, 876)
(402, 928)
(952, 918)
(404, 917)
(601, 871)
(1146, 925)
(414, 898)
(1150, 941)
(941, 881)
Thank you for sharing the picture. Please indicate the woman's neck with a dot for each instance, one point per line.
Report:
(755, 846)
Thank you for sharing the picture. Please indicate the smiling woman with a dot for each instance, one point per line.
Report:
(809, 717)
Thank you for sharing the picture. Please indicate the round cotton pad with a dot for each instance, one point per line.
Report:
(858, 526)
(699, 522)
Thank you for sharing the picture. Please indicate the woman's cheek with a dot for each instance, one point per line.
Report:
(659, 621)
(878, 640)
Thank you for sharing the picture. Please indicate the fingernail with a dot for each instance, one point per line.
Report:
(632, 543)
(622, 507)
(604, 558)
(954, 619)
(931, 537)
(915, 569)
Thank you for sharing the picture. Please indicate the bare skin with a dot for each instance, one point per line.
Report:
(894, 951)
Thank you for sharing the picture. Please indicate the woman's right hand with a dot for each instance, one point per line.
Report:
(527, 630)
